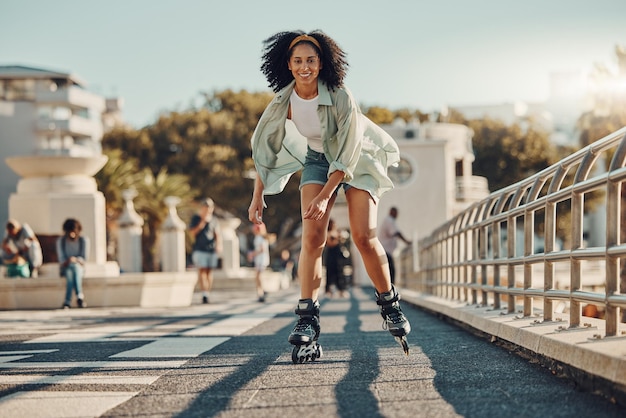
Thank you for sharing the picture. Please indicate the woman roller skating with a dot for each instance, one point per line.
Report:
(314, 124)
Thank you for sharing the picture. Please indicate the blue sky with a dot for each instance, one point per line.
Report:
(158, 54)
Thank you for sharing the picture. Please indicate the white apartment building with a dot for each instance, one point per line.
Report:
(48, 113)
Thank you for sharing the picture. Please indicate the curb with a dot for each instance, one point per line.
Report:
(595, 363)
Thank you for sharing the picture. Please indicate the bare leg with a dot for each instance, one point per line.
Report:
(362, 211)
(202, 279)
(209, 279)
(313, 240)
(205, 278)
(259, 285)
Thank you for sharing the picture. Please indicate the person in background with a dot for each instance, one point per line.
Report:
(286, 264)
(389, 234)
(330, 258)
(260, 256)
(21, 250)
(72, 249)
(344, 279)
(207, 246)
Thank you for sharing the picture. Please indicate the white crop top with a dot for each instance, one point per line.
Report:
(304, 116)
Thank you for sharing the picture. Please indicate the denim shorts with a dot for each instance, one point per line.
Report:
(316, 170)
(204, 260)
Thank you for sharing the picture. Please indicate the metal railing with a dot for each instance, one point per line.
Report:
(478, 257)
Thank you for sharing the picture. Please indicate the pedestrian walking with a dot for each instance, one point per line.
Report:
(207, 245)
(389, 234)
(260, 257)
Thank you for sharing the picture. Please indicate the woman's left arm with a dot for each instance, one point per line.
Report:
(346, 146)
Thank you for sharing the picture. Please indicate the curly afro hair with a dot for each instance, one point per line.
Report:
(276, 55)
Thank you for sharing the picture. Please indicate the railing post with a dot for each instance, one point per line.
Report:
(548, 266)
(612, 263)
(511, 236)
(477, 253)
(529, 242)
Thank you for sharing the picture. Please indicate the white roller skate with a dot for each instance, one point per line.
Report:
(393, 319)
(306, 332)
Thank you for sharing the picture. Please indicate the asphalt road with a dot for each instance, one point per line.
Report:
(231, 359)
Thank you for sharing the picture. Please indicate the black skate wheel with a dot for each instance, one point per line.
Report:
(294, 355)
(316, 352)
(319, 353)
(404, 344)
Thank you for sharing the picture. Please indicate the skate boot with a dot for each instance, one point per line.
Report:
(393, 319)
(306, 332)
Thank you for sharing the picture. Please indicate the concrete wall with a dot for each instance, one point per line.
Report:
(16, 138)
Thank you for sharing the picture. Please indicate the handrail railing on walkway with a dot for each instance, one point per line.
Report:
(477, 256)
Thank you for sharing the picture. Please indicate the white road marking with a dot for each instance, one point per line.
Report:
(40, 404)
(12, 353)
(91, 379)
(123, 365)
(174, 347)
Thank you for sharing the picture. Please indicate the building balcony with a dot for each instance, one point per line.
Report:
(75, 126)
(470, 189)
(73, 97)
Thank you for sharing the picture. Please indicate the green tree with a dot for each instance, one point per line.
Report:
(508, 154)
(382, 115)
(121, 173)
(211, 146)
(118, 174)
(150, 204)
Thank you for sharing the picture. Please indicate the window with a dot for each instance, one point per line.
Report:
(20, 90)
(402, 173)
(458, 168)
(54, 112)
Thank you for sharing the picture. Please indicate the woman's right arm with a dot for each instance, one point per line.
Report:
(196, 225)
(255, 211)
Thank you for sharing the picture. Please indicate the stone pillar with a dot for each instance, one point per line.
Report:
(230, 243)
(130, 224)
(173, 238)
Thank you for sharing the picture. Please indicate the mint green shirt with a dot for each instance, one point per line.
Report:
(352, 143)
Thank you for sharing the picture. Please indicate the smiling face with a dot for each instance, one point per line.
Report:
(305, 65)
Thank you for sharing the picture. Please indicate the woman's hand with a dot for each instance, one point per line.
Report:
(319, 205)
(255, 211)
(317, 208)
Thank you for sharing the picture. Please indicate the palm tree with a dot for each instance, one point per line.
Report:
(122, 173)
(150, 204)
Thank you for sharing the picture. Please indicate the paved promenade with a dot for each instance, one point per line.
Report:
(231, 359)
